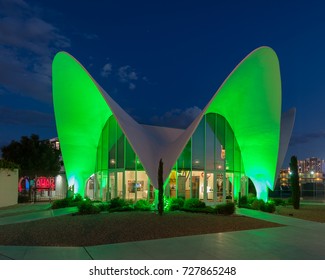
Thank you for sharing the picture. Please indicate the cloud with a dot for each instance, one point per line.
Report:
(131, 86)
(306, 138)
(32, 34)
(89, 36)
(9, 116)
(178, 118)
(27, 46)
(127, 75)
(106, 70)
(145, 79)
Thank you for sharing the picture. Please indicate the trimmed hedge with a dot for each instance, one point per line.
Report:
(68, 202)
(257, 204)
(193, 203)
(87, 207)
(176, 204)
(142, 205)
(62, 203)
(226, 208)
(206, 210)
(120, 205)
(279, 201)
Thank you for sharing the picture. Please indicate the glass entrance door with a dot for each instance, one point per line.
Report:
(112, 185)
(116, 182)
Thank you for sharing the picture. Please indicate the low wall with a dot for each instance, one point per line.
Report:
(8, 187)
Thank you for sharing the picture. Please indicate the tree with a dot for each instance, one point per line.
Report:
(294, 181)
(33, 156)
(160, 188)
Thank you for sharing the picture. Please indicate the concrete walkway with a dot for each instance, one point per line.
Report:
(32, 212)
(296, 240)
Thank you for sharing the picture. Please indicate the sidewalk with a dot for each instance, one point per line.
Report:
(30, 212)
(297, 240)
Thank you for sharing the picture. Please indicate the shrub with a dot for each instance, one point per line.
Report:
(77, 198)
(269, 207)
(243, 201)
(61, 203)
(69, 201)
(103, 206)
(117, 203)
(250, 198)
(257, 204)
(278, 201)
(193, 203)
(176, 204)
(225, 209)
(290, 201)
(125, 208)
(87, 207)
(142, 205)
(23, 198)
(206, 209)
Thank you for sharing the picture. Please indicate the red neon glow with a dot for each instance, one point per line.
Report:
(45, 183)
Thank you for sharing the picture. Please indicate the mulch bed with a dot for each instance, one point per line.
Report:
(108, 228)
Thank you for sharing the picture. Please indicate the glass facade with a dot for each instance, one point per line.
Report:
(209, 168)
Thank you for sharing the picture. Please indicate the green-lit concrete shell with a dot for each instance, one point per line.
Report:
(249, 99)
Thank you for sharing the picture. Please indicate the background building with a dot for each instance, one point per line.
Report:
(42, 187)
(8, 187)
(311, 180)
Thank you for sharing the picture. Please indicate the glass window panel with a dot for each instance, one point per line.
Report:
(220, 145)
(183, 184)
(112, 185)
(120, 148)
(229, 148)
(142, 185)
(139, 164)
(210, 186)
(184, 161)
(197, 184)
(112, 142)
(130, 156)
(119, 176)
(198, 147)
(219, 186)
(131, 187)
(210, 141)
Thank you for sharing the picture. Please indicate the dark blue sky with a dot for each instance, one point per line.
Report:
(162, 61)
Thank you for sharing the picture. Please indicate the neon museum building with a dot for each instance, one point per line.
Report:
(239, 135)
